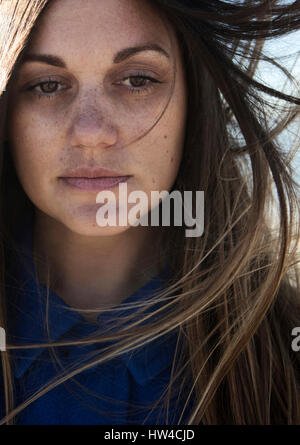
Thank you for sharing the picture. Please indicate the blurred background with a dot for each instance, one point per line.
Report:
(286, 51)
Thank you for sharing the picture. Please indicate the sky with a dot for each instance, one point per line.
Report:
(287, 52)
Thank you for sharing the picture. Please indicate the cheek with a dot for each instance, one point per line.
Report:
(173, 135)
(29, 147)
(30, 137)
(161, 161)
(165, 152)
(30, 125)
(173, 156)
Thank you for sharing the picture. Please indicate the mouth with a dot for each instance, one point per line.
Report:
(85, 178)
(97, 183)
(87, 172)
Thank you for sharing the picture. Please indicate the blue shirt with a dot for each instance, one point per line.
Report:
(121, 391)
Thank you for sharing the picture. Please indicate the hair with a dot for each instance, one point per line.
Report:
(232, 296)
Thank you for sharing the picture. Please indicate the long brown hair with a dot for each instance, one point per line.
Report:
(233, 293)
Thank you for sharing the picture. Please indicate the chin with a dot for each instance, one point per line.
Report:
(93, 229)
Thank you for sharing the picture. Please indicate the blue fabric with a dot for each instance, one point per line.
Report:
(123, 390)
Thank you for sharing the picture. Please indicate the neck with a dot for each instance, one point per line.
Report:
(94, 272)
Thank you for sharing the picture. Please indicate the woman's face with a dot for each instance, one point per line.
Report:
(83, 107)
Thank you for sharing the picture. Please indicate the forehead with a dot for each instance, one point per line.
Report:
(91, 26)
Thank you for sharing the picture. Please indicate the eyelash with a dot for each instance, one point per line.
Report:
(131, 90)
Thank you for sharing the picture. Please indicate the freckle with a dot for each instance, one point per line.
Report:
(172, 159)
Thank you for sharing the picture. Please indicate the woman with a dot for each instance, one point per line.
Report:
(134, 323)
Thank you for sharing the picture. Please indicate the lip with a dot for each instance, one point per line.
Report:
(86, 172)
(95, 184)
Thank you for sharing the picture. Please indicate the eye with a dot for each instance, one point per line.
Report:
(136, 84)
(47, 88)
(140, 83)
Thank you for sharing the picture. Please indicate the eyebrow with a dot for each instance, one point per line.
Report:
(119, 57)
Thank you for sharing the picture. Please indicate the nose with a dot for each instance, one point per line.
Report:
(92, 126)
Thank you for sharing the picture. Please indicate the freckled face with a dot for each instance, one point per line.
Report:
(92, 110)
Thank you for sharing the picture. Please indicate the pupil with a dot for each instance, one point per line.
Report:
(48, 86)
(137, 81)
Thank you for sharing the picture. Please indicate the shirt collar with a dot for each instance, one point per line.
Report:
(27, 306)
